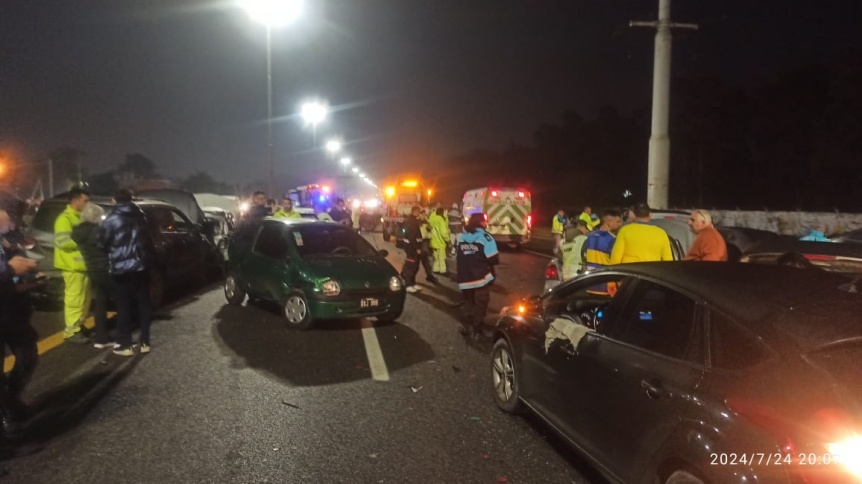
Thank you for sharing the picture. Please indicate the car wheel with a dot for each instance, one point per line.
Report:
(504, 376)
(157, 289)
(297, 312)
(233, 293)
(390, 316)
(683, 477)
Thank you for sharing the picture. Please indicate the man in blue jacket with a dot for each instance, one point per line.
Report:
(131, 253)
(476, 256)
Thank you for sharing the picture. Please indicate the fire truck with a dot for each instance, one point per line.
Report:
(401, 197)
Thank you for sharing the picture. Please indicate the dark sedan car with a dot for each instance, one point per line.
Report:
(313, 270)
(694, 371)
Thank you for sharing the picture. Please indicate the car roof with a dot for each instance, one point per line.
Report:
(109, 201)
(298, 221)
(782, 245)
(765, 297)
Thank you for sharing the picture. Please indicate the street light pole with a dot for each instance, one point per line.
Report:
(659, 142)
(271, 148)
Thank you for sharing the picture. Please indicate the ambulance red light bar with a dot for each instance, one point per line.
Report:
(521, 194)
(494, 193)
(529, 220)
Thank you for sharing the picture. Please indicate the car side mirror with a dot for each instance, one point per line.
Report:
(383, 252)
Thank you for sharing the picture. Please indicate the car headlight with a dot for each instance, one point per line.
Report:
(331, 288)
(849, 453)
(395, 284)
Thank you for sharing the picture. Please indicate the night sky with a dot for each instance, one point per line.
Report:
(414, 81)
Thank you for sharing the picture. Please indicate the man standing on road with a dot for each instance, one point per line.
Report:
(600, 243)
(558, 226)
(476, 257)
(439, 239)
(709, 244)
(126, 237)
(17, 277)
(641, 241)
(286, 210)
(341, 214)
(67, 258)
(587, 217)
(411, 238)
(86, 235)
(572, 250)
(258, 209)
(456, 225)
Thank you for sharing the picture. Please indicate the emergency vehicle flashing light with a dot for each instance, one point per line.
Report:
(529, 220)
(494, 193)
(410, 184)
(521, 194)
(326, 189)
(390, 192)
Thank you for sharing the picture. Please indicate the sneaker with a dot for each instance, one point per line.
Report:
(77, 338)
(102, 346)
(124, 351)
(417, 288)
(412, 289)
(145, 348)
(432, 280)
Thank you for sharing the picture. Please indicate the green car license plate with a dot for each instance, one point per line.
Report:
(369, 302)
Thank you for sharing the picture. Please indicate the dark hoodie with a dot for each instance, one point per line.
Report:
(86, 235)
(126, 237)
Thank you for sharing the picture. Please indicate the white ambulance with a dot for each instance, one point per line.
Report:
(507, 210)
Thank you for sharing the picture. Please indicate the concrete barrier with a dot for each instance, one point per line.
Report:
(788, 223)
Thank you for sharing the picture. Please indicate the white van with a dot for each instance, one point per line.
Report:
(507, 210)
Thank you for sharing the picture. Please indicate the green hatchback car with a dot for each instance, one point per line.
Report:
(313, 270)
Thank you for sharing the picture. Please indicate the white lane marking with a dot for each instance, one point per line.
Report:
(376, 362)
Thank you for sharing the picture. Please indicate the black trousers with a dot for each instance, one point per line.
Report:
(21, 339)
(475, 305)
(425, 259)
(411, 265)
(133, 297)
(104, 289)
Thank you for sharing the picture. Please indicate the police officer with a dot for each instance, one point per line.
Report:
(411, 240)
(476, 254)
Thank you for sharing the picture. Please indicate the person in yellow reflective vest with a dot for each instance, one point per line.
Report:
(558, 226)
(589, 218)
(67, 258)
(572, 250)
(286, 210)
(439, 239)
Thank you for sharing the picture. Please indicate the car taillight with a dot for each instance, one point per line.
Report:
(826, 447)
(529, 220)
(551, 273)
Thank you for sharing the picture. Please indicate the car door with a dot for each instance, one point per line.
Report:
(189, 255)
(551, 344)
(635, 376)
(266, 268)
(160, 221)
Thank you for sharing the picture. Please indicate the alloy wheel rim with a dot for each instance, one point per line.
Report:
(504, 375)
(295, 309)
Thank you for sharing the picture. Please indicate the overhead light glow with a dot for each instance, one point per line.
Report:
(346, 161)
(355, 169)
(273, 13)
(314, 112)
(333, 146)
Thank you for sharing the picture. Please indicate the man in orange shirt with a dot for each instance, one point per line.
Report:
(709, 244)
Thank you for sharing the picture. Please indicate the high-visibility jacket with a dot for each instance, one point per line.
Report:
(573, 262)
(67, 257)
(588, 219)
(324, 216)
(282, 213)
(558, 225)
(641, 242)
(439, 231)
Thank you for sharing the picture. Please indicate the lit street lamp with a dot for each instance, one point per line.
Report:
(355, 169)
(313, 113)
(333, 146)
(271, 13)
(346, 161)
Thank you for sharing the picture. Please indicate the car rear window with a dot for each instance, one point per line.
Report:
(732, 347)
(329, 240)
(841, 361)
(47, 215)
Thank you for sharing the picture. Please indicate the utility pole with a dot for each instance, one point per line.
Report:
(659, 141)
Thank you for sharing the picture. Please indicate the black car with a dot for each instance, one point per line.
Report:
(829, 256)
(185, 254)
(693, 371)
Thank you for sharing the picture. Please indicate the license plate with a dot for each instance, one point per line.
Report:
(369, 302)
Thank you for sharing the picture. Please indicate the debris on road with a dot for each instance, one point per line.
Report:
(415, 389)
(285, 402)
(502, 479)
(475, 419)
(373, 456)
(486, 456)
(456, 369)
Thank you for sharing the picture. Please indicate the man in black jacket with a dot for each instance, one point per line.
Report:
(127, 239)
(86, 235)
(411, 238)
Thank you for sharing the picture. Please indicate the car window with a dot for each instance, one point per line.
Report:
(731, 346)
(660, 320)
(329, 240)
(271, 241)
(161, 220)
(583, 299)
(47, 215)
(179, 222)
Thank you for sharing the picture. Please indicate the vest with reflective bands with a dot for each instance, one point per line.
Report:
(67, 257)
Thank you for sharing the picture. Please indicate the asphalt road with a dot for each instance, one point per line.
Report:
(229, 395)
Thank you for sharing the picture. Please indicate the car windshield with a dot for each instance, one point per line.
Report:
(329, 240)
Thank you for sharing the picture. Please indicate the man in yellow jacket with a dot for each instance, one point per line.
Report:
(286, 210)
(558, 226)
(589, 218)
(67, 258)
(640, 241)
(439, 239)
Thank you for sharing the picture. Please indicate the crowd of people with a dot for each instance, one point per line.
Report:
(588, 242)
